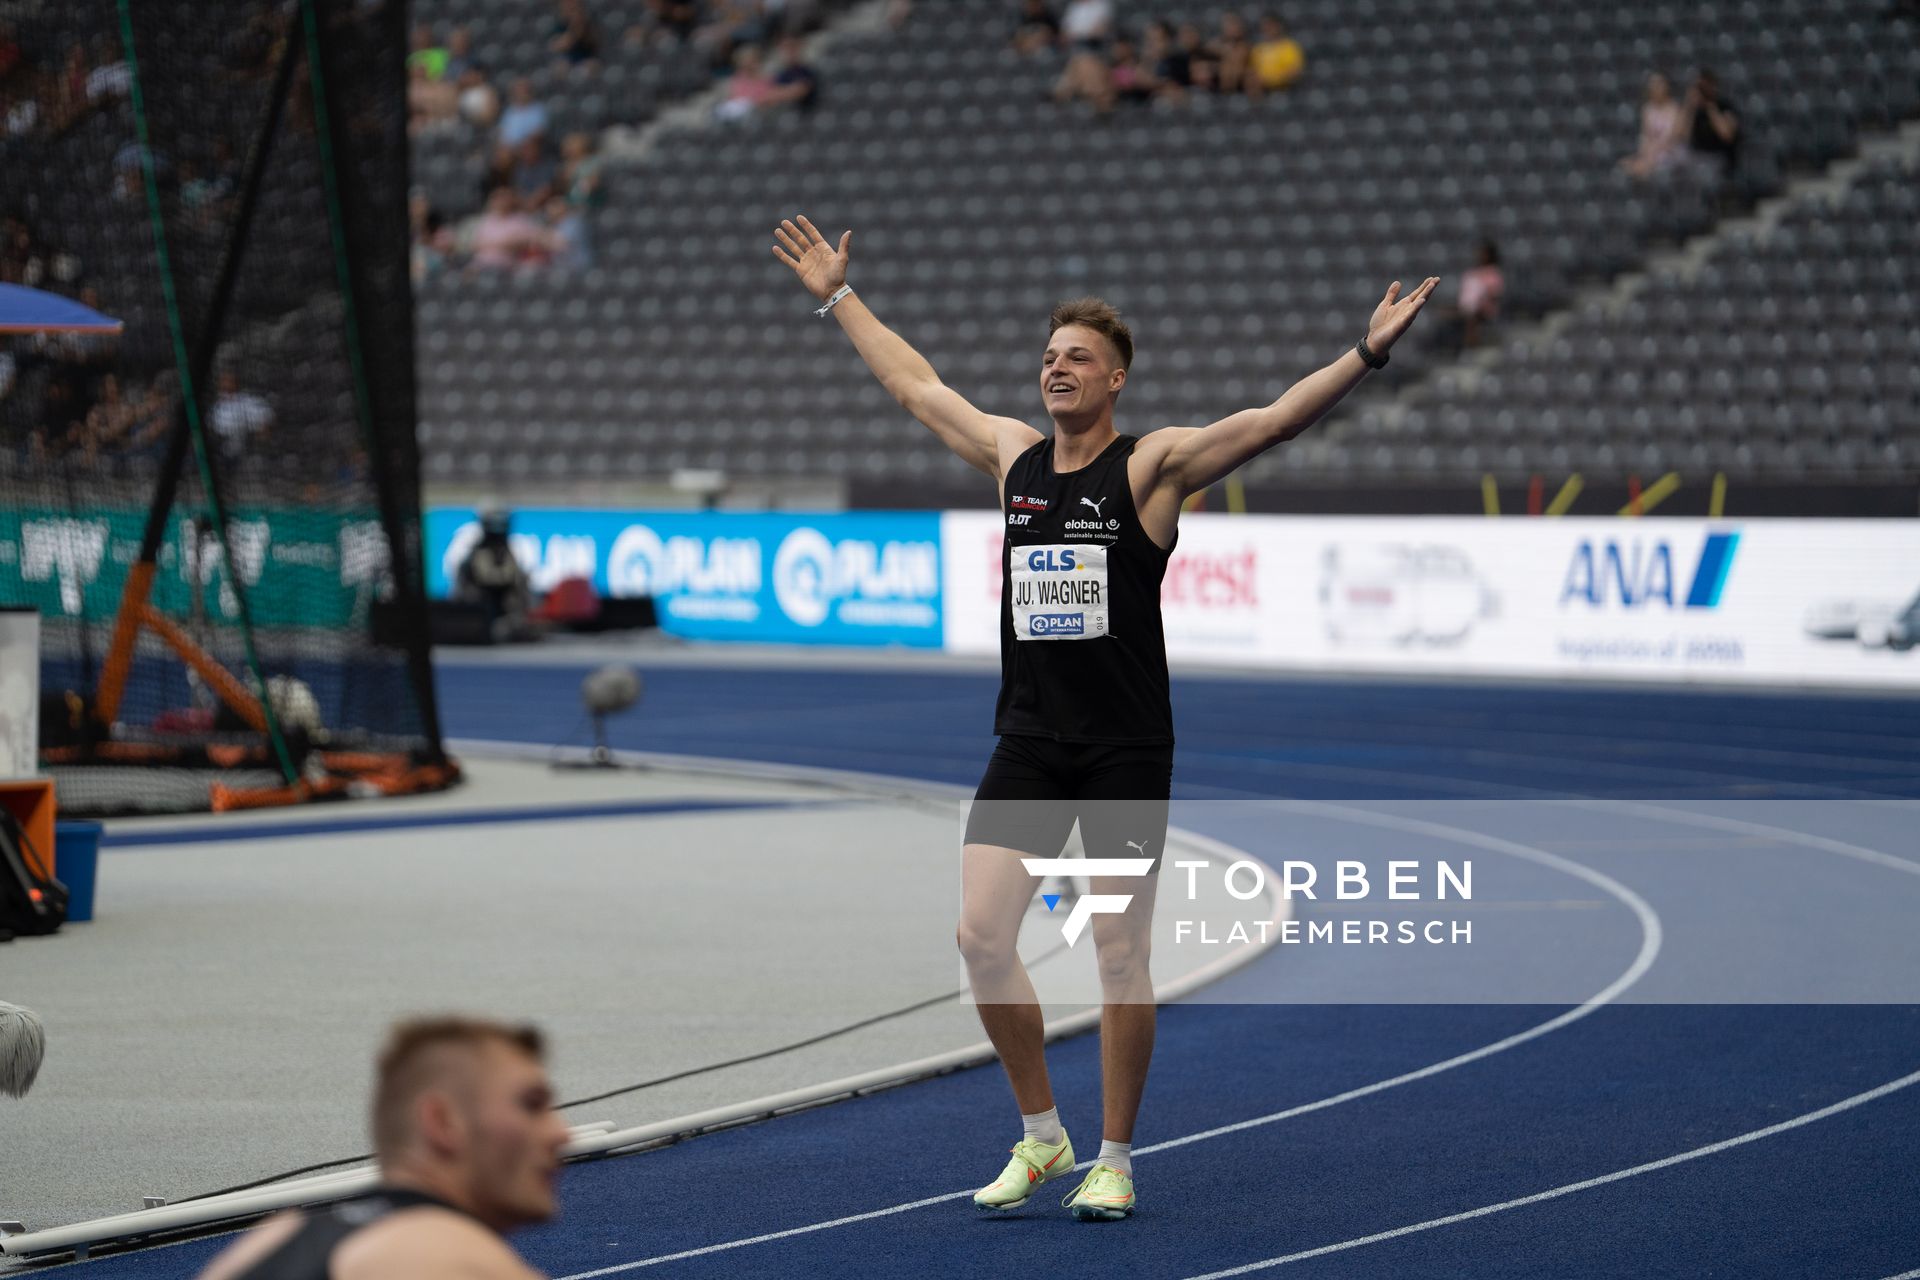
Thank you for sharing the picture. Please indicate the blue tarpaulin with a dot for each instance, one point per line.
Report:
(24, 310)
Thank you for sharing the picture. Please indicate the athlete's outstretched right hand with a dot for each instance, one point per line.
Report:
(820, 266)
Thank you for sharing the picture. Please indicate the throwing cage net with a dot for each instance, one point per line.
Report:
(217, 511)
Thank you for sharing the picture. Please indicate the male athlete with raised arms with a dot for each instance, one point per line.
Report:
(1084, 717)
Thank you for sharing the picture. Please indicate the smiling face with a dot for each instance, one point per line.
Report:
(514, 1137)
(1080, 373)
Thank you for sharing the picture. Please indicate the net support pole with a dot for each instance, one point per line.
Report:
(134, 595)
(387, 415)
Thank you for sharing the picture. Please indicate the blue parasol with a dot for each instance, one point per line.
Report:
(24, 310)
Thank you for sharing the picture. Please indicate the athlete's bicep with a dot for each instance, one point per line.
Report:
(979, 438)
(1196, 457)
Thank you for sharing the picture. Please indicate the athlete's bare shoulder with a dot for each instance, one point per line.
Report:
(256, 1244)
(1011, 438)
(427, 1242)
(1148, 463)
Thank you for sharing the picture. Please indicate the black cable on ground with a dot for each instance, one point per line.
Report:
(809, 1042)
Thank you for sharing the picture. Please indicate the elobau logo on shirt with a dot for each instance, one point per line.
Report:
(1091, 524)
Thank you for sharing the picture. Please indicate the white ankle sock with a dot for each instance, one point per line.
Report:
(1117, 1155)
(1044, 1126)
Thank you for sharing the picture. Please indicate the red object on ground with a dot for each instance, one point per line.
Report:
(572, 600)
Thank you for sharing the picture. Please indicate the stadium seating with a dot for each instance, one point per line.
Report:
(1792, 352)
(1247, 240)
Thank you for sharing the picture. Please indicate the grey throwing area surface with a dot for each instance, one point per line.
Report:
(217, 1021)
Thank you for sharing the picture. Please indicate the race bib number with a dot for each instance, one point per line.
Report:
(1059, 591)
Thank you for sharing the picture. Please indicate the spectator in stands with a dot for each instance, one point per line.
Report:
(580, 172)
(431, 104)
(106, 425)
(426, 53)
(1277, 59)
(1203, 60)
(11, 54)
(1035, 30)
(1233, 54)
(1712, 126)
(203, 198)
(16, 250)
(479, 103)
(534, 173)
(502, 236)
(1482, 287)
(573, 37)
(240, 419)
(748, 88)
(70, 90)
(523, 117)
(796, 84)
(459, 54)
(1128, 80)
(431, 241)
(1166, 62)
(731, 25)
(1087, 25)
(665, 22)
(568, 247)
(1661, 140)
(110, 77)
(19, 113)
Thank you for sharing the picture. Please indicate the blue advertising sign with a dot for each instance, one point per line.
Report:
(842, 578)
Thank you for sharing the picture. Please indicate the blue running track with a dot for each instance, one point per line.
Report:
(1651, 1140)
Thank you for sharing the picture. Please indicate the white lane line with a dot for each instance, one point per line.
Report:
(1650, 938)
(1825, 844)
(1714, 1148)
(1907, 1275)
(703, 1250)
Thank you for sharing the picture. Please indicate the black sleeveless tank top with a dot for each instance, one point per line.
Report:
(1082, 654)
(308, 1252)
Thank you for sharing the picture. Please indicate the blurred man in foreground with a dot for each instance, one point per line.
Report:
(469, 1147)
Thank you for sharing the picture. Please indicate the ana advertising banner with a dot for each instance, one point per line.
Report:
(860, 578)
(1778, 601)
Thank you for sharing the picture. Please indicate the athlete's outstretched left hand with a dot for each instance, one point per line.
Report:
(1391, 318)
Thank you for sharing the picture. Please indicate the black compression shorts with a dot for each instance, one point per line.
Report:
(1034, 790)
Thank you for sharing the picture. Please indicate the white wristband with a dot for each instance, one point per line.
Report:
(838, 294)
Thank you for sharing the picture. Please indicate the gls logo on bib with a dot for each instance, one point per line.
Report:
(1058, 591)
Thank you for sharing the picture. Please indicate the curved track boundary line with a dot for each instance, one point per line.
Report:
(1554, 1193)
(1643, 961)
(322, 1188)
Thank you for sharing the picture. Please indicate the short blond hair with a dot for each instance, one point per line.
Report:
(414, 1060)
(1100, 316)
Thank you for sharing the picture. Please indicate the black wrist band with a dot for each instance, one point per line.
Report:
(1366, 354)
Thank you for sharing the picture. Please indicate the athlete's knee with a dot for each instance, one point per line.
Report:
(986, 948)
(1124, 953)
